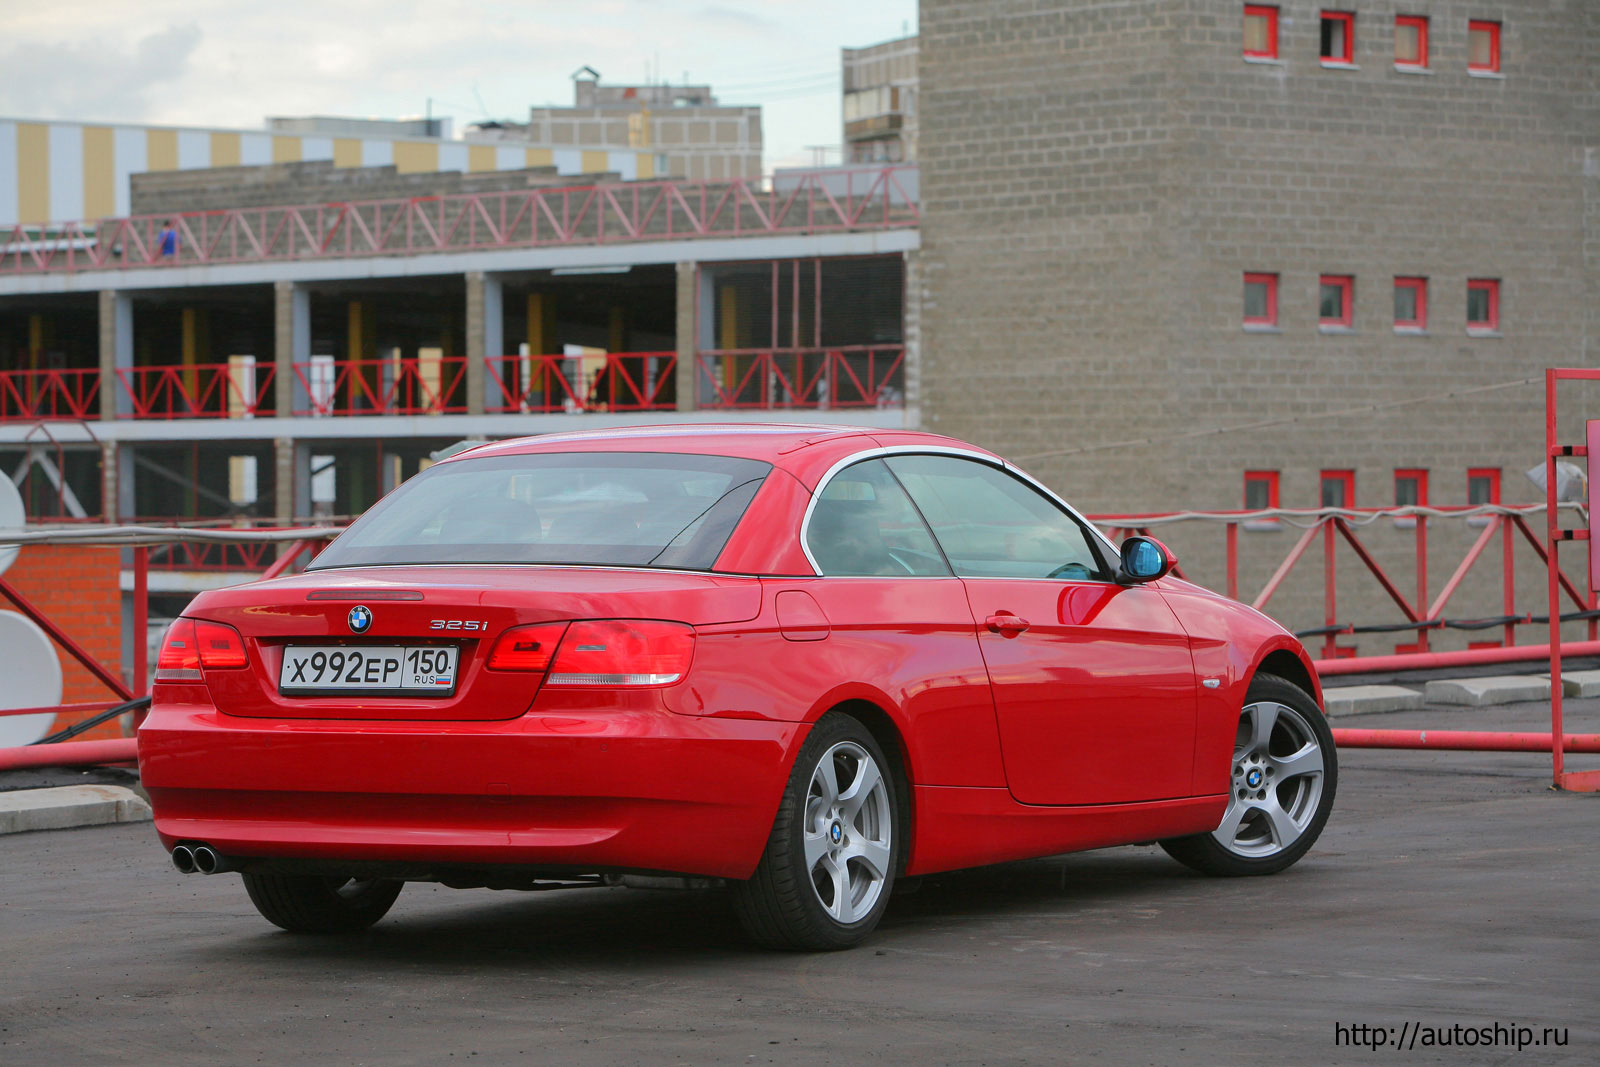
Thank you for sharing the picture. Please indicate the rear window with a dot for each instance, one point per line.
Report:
(631, 509)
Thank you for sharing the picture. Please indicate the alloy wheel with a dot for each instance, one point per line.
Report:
(1277, 781)
(848, 832)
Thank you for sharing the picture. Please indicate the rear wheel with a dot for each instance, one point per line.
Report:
(306, 904)
(1282, 780)
(830, 863)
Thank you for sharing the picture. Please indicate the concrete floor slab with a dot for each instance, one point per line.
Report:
(1481, 692)
(1369, 700)
(68, 806)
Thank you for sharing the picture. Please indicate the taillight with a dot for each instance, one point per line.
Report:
(221, 647)
(526, 648)
(179, 659)
(623, 652)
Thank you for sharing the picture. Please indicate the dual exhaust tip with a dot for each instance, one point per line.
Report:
(199, 859)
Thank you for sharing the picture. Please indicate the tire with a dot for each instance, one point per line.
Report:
(1283, 777)
(306, 904)
(835, 848)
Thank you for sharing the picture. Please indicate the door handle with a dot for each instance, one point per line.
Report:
(1005, 624)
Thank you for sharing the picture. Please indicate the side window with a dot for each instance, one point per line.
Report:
(864, 524)
(992, 525)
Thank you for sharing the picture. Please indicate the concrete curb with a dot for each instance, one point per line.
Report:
(63, 807)
(1369, 700)
(1579, 683)
(1481, 692)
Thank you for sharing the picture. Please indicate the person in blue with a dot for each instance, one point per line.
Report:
(168, 241)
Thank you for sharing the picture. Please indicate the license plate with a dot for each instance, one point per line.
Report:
(424, 670)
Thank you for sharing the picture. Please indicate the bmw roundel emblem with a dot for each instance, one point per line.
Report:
(360, 619)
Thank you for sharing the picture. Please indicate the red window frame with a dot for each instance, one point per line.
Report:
(1271, 282)
(1493, 30)
(1347, 283)
(1417, 474)
(1420, 287)
(1491, 286)
(1344, 478)
(1421, 24)
(1349, 20)
(1270, 13)
(1490, 474)
(1268, 478)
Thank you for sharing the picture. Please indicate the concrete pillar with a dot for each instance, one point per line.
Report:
(688, 335)
(911, 324)
(108, 481)
(291, 344)
(116, 353)
(285, 480)
(126, 501)
(485, 338)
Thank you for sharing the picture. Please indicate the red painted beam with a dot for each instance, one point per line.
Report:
(70, 754)
(1422, 661)
(1464, 740)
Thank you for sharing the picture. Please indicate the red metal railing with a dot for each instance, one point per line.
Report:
(872, 198)
(201, 390)
(413, 385)
(1420, 614)
(40, 395)
(209, 556)
(617, 381)
(842, 376)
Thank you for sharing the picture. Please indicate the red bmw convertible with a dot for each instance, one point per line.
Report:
(803, 660)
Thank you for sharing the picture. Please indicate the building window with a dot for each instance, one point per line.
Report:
(1338, 489)
(1483, 305)
(1411, 41)
(1260, 31)
(1410, 491)
(1483, 486)
(1261, 300)
(1483, 46)
(1335, 300)
(1339, 37)
(1411, 304)
(1260, 490)
(1411, 488)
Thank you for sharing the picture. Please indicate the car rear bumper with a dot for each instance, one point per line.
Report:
(585, 790)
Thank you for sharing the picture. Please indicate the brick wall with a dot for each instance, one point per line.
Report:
(76, 587)
(1097, 178)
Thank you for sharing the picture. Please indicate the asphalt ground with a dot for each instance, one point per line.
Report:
(1450, 889)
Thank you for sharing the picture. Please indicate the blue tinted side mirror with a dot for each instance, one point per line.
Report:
(1144, 559)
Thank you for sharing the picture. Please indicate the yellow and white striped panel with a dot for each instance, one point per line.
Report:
(65, 171)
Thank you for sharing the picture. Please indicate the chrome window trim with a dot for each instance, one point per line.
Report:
(942, 450)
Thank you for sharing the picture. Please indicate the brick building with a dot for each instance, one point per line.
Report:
(1146, 218)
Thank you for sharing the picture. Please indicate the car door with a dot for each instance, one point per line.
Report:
(1093, 681)
(900, 621)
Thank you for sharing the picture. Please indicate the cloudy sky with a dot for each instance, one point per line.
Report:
(215, 63)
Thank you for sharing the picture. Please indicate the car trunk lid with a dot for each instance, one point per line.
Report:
(459, 608)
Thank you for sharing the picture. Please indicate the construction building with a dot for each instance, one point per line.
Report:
(1169, 255)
